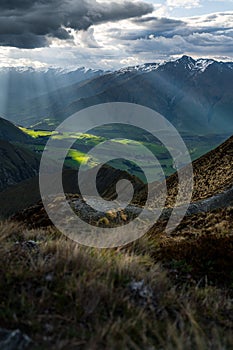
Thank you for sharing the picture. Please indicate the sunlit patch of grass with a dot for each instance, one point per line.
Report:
(37, 133)
(75, 158)
(84, 138)
(78, 157)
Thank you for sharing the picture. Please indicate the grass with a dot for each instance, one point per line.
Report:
(35, 134)
(75, 158)
(66, 296)
(85, 142)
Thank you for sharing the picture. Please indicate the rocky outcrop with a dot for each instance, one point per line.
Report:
(36, 216)
(219, 201)
(14, 340)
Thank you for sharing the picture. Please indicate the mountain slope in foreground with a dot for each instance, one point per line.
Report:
(161, 292)
(203, 241)
(213, 173)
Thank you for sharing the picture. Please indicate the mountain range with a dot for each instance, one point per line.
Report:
(18, 85)
(195, 95)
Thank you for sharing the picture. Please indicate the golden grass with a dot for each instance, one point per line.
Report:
(66, 296)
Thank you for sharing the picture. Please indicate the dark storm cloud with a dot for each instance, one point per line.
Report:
(28, 23)
(24, 41)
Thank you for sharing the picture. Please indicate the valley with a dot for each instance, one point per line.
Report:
(161, 291)
(197, 146)
(148, 292)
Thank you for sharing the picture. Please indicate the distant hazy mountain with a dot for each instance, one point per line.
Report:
(20, 84)
(195, 95)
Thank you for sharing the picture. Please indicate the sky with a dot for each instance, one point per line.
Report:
(113, 34)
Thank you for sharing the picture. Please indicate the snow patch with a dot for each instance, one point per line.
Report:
(203, 64)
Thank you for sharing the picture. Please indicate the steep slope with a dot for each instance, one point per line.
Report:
(16, 164)
(196, 96)
(213, 173)
(203, 242)
(10, 132)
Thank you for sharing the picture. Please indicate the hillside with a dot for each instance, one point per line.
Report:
(195, 95)
(162, 291)
(27, 193)
(16, 164)
(64, 296)
(213, 173)
(9, 132)
(174, 290)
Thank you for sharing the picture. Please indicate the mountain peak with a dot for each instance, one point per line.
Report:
(186, 58)
(199, 65)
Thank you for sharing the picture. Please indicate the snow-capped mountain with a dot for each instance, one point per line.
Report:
(199, 65)
(86, 72)
(195, 95)
(20, 84)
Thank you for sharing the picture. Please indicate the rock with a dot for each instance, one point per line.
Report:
(49, 277)
(14, 340)
(30, 245)
(141, 290)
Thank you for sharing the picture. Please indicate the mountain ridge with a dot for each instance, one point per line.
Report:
(18, 85)
(194, 95)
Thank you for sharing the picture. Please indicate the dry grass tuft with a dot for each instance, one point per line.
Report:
(69, 297)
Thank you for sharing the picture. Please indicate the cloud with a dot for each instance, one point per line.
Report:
(154, 26)
(31, 23)
(187, 4)
(151, 38)
(136, 41)
(148, 27)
